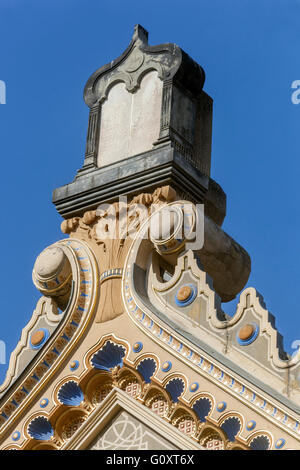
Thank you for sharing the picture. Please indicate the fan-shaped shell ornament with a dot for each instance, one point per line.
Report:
(202, 408)
(260, 443)
(231, 427)
(108, 357)
(175, 388)
(146, 368)
(70, 394)
(40, 429)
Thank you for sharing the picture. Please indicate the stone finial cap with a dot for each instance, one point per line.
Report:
(170, 61)
(51, 271)
(140, 34)
(150, 122)
(49, 262)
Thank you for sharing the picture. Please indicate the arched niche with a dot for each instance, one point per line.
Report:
(158, 401)
(98, 387)
(68, 423)
(130, 382)
(130, 122)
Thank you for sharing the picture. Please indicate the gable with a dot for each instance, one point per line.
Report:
(125, 432)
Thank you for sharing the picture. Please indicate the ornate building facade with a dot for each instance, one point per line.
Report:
(128, 347)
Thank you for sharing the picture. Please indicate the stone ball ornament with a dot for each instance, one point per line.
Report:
(182, 225)
(37, 337)
(246, 332)
(52, 274)
(171, 226)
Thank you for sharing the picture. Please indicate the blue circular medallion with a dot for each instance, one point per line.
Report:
(250, 425)
(221, 406)
(185, 295)
(39, 338)
(167, 365)
(44, 402)
(74, 365)
(279, 443)
(16, 436)
(247, 334)
(137, 347)
(194, 387)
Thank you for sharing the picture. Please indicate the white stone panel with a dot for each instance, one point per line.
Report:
(125, 432)
(115, 125)
(130, 122)
(145, 118)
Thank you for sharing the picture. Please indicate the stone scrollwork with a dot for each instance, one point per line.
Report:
(110, 229)
(172, 227)
(224, 260)
(52, 275)
(67, 274)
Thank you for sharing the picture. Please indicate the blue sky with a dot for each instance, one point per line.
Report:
(250, 53)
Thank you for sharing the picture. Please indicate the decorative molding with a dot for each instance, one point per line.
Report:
(119, 400)
(112, 250)
(249, 298)
(193, 418)
(58, 346)
(172, 340)
(139, 58)
(92, 140)
(45, 306)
